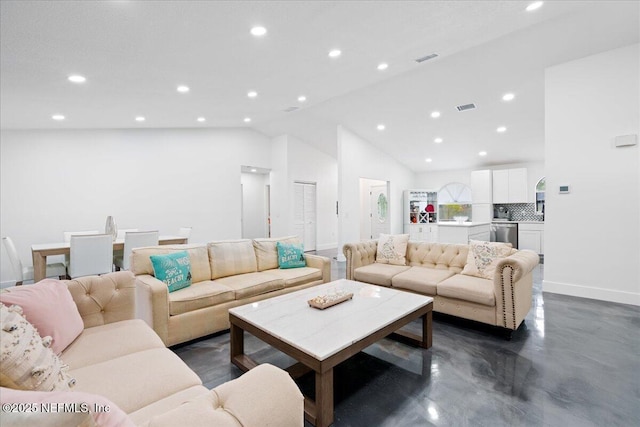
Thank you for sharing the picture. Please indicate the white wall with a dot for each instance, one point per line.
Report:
(254, 205)
(357, 158)
(592, 235)
(52, 181)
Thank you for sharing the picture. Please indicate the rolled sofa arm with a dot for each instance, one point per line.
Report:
(248, 401)
(359, 254)
(322, 263)
(513, 287)
(152, 306)
(104, 299)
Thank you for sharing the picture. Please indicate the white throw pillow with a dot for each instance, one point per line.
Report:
(483, 258)
(392, 249)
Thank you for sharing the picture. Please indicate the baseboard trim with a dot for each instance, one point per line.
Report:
(591, 292)
(7, 284)
(326, 246)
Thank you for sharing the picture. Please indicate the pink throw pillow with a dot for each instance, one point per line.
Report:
(49, 307)
(105, 413)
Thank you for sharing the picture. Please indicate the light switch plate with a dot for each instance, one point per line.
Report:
(564, 189)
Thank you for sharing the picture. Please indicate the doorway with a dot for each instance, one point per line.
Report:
(255, 207)
(374, 208)
(304, 213)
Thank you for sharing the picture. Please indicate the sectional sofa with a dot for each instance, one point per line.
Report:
(225, 274)
(119, 358)
(434, 269)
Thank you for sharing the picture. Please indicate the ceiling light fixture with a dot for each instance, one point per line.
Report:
(335, 53)
(302, 98)
(247, 119)
(381, 126)
(383, 66)
(438, 140)
(57, 117)
(254, 170)
(183, 89)
(76, 78)
(482, 153)
(534, 6)
(428, 160)
(501, 129)
(201, 119)
(258, 31)
(435, 114)
(140, 119)
(252, 94)
(508, 97)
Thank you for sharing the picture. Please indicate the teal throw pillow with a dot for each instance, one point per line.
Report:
(173, 269)
(290, 255)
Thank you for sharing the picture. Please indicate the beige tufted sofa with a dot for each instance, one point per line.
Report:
(121, 358)
(434, 269)
(225, 274)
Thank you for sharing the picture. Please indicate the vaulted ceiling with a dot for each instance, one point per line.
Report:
(134, 55)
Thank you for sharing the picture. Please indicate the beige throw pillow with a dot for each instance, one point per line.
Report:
(392, 249)
(483, 258)
(26, 361)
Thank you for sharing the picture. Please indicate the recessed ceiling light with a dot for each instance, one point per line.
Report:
(428, 160)
(302, 98)
(381, 126)
(57, 117)
(508, 97)
(535, 5)
(183, 89)
(254, 170)
(201, 119)
(247, 119)
(437, 140)
(383, 66)
(501, 129)
(435, 114)
(335, 53)
(258, 31)
(482, 153)
(252, 94)
(76, 78)
(140, 119)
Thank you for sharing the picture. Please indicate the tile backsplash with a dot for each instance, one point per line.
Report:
(521, 211)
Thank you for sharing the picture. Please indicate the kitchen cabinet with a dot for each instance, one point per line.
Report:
(422, 232)
(481, 187)
(451, 232)
(531, 236)
(420, 215)
(510, 186)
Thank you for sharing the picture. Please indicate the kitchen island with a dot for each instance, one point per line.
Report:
(463, 232)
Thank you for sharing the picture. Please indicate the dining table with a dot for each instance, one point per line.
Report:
(40, 252)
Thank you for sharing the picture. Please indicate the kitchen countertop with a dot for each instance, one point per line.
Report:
(463, 224)
(517, 222)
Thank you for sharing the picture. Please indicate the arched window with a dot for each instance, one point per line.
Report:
(454, 200)
(540, 190)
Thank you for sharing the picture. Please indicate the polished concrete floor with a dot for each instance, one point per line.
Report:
(574, 362)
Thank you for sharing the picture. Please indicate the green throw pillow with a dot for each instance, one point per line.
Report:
(290, 255)
(173, 269)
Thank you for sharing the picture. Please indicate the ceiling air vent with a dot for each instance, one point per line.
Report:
(290, 109)
(426, 58)
(466, 107)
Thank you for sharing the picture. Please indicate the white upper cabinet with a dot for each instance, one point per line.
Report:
(481, 188)
(510, 186)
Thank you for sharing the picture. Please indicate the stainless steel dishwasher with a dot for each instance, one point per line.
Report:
(505, 232)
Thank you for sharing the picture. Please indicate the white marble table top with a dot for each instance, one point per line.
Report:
(322, 333)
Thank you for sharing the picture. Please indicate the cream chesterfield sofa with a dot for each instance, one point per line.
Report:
(434, 269)
(121, 358)
(225, 274)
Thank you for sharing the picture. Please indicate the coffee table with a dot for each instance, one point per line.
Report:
(321, 339)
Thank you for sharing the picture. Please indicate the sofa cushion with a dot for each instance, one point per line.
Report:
(130, 335)
(26, 361)
(173, 269)
(199, 295)
(267, 253)
(198, 257)
(290, 255)
(392, 249)
(420, 279)
(483, 258)
(138, 379)
(297, 276)
(378, 274)
(468, 288)
(231, 257)
(252, 284)
(49, 307)
(437, 255)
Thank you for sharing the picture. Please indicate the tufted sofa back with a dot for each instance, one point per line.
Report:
(440, 256)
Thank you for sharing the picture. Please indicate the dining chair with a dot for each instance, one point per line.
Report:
(24, 274)
(91, 255)
(135, 239)
(185, 232)
(123, 231)
(118, 254)
(67, 238)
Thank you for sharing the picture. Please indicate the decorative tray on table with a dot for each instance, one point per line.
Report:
(325, 301)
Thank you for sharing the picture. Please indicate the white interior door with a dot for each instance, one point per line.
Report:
(379, 201)
(304, 217)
